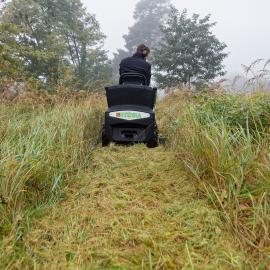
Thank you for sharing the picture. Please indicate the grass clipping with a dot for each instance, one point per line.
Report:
(135, 210)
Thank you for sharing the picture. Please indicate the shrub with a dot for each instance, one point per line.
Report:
(251, 112)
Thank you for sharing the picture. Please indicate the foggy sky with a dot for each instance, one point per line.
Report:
(244, 25)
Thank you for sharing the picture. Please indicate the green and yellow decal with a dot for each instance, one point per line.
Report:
(129, 115)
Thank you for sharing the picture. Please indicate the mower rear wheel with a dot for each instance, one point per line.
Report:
(154, 141)
(105, 141)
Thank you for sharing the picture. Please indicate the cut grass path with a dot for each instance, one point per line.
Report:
(133, 210)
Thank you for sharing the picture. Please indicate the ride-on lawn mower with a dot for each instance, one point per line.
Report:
(131, 115)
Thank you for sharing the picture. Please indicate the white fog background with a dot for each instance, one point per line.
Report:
(244, 25)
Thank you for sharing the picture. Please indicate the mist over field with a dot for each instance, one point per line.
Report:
(243, 25)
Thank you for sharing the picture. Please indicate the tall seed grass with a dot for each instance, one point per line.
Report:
(223, 144)
(40, 148)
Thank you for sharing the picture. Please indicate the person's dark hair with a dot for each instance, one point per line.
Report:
(143, 50)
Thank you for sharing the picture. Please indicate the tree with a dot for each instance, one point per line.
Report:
(189, 52)
(60, 37)
(84, 40)
(44, 51)
(10, 52)
(148, 16)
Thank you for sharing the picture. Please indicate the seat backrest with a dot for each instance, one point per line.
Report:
(131, 95)
(133, 78)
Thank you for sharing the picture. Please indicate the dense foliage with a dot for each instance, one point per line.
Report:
(189, 52)
(52, 41)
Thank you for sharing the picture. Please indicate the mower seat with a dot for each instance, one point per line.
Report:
(131, 95)
(132, 78)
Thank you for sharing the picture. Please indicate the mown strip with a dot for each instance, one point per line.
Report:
(133, 210)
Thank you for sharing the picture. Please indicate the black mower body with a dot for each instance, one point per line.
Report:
(130, 117)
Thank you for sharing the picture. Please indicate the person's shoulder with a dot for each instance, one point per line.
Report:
(149, 64)
(125, 59)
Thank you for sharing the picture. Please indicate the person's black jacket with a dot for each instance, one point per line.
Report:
(136, 64)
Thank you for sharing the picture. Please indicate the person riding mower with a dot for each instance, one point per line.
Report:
(131, 117)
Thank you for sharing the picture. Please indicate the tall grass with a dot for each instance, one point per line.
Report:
(40, 148)
(222, 141)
